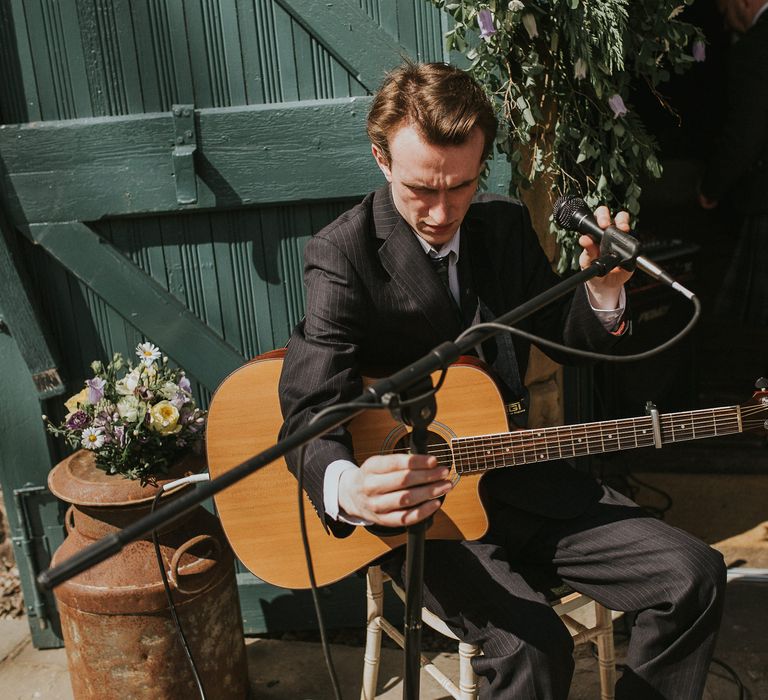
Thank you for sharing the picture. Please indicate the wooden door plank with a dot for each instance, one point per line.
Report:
(88, 169)
(351, 36)
(140, 300)
(19, 312)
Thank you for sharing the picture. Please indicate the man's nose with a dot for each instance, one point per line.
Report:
(440, 211)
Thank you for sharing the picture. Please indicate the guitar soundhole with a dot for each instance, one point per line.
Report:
(437, 445)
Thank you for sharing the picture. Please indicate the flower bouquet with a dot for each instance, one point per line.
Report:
(136, 420)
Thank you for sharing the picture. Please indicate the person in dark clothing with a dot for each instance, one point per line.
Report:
(737, 168)
(374, 299)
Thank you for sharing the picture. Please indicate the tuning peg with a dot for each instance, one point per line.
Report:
(761, 384)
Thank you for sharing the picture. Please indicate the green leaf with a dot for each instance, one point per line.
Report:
(528, 116)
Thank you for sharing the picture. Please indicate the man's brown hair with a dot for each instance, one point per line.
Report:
(444, 103)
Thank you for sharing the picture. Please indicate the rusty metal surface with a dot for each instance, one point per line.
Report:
(139, 656)
(115, 618)
(76, 480)
(130, 581)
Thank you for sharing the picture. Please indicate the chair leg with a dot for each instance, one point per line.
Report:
(375, 610)
(606, 655)
(467, 676)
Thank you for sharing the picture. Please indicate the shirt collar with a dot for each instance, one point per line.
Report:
(451, 247)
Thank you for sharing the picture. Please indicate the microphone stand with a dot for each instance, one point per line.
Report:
(382, 391)
(418, 412)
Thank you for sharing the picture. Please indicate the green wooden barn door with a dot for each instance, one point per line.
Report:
(162, 163)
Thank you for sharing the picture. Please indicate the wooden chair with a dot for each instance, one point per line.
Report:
(598, 628)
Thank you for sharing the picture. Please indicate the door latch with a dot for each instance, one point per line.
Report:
(185, 145)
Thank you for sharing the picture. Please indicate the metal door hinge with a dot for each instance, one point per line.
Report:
(25, 551)
(185, 145)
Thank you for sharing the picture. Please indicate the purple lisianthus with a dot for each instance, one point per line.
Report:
(95, 389)
(179, 399)
(184, 385)
(101, 419)
(699, 51)
(78, 420)
(485, 22)
(118, 434)
(617, 106)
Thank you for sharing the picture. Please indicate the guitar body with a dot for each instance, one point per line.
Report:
(260, 514)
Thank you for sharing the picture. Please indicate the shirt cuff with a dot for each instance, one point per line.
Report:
(609, 318)
(331, 493)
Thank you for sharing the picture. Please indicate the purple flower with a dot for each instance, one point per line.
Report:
(617, 106)
(95, 389)
(699, 51)
(184, 385)
(118, 434)
(101, 419)
(179, 399)
(78, 420)
(485, 22)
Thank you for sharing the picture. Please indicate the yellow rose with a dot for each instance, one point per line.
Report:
(164, 418)
(74, 402)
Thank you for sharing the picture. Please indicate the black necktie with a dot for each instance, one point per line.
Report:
(440, 266)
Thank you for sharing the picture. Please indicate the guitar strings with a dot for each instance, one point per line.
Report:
(682, 428)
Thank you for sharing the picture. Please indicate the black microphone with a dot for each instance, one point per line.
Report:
(572, 213)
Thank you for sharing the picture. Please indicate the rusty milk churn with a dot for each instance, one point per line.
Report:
(118, 632)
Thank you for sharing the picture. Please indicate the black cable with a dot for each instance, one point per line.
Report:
(303, 527)
(734, 676)
(586, 353)
(660, 510)
(308, 552)
(743, 693)
(171, 605)
(312, 580)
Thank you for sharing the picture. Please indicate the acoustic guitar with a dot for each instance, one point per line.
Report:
(260, 513)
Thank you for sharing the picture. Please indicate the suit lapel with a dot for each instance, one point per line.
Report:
(404, 260)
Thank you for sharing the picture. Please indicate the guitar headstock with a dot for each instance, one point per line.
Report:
(755, 413)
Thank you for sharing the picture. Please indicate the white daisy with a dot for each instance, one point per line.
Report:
(93, 438)
(148, 353)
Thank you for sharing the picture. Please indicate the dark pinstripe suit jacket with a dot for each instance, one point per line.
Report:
(373, 300)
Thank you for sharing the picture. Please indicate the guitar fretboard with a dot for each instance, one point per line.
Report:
(479, 454)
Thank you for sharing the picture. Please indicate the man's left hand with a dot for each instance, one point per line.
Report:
(604, 290)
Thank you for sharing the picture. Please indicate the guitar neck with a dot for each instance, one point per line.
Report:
(479, 454)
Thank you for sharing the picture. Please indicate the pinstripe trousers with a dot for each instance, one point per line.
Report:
(489, 592)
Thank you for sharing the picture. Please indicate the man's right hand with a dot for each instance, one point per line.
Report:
(394, 490)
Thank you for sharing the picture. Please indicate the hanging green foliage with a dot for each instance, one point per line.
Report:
(561, 72)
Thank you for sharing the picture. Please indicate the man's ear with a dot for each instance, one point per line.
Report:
(382, 161)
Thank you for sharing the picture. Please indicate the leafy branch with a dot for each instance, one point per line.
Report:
(562, 73)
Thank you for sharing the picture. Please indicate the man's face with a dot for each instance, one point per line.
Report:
(432, 186)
